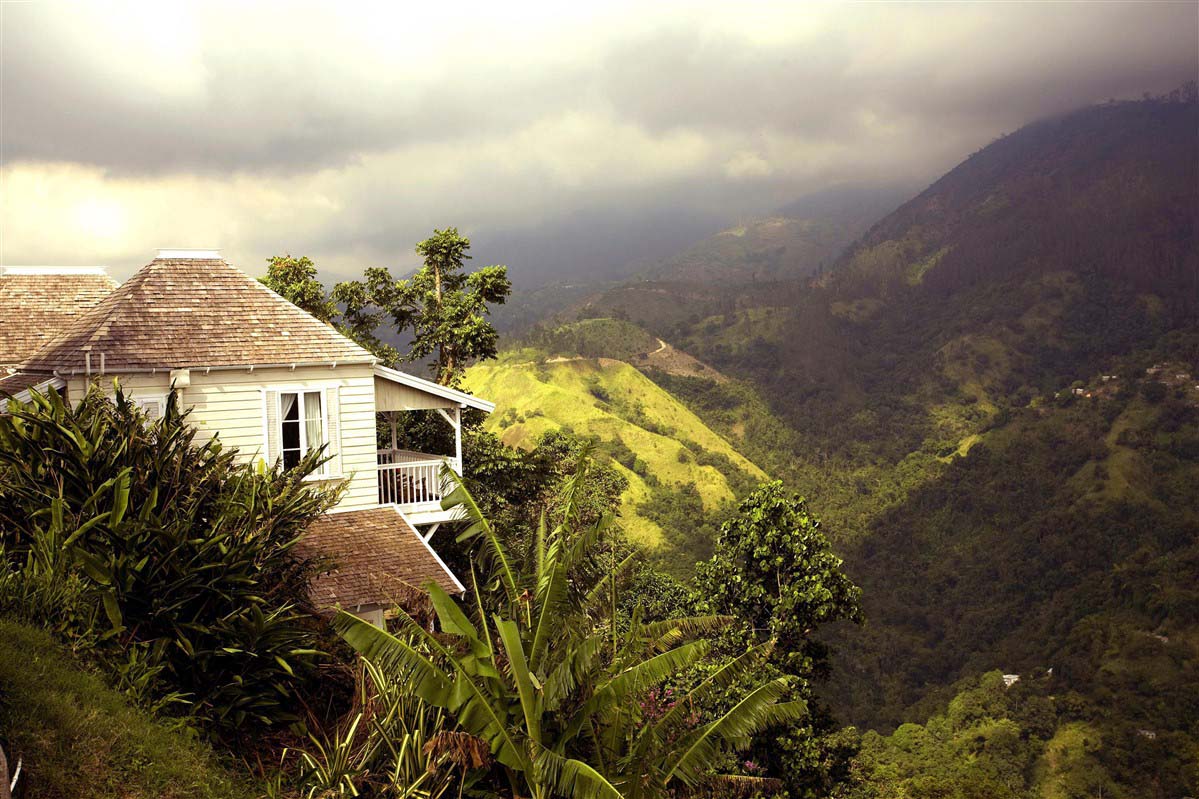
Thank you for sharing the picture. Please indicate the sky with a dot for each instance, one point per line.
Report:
(563, 138)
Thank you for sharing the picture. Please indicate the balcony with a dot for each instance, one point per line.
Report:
(414, 480)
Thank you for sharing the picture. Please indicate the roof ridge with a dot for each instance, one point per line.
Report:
(196, 312)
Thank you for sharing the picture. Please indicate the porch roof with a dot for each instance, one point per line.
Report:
(400, 391)
(378, 558)
(17, 385)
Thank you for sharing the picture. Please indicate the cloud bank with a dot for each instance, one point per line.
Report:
(348, 131)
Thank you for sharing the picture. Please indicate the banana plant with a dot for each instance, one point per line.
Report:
(553, 685)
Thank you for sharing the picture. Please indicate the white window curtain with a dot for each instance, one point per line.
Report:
(313, 419)
(301, 426)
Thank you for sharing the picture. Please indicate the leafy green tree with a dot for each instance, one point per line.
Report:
(570, 704)
(442, 307)
(775, 571)
(294, 279)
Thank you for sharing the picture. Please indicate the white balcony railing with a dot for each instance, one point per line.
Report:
(412, 478)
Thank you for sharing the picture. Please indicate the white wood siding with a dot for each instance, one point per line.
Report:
(393, 396)
(229, 403)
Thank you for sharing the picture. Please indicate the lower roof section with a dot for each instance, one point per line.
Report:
(17, 385)
(378, 559)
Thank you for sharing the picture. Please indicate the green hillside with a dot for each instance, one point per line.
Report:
(660, 446)
(990, 402)
(76, 737)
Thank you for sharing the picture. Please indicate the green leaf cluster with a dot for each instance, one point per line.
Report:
(294, 279)
(177, 554)
(443, 307)
(568, 700)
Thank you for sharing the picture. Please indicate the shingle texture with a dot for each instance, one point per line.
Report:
(182, 313)
(379, 558)
(35, 308)
(16, 382)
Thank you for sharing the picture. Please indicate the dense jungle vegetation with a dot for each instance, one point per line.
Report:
(160, 572)
(991, 399)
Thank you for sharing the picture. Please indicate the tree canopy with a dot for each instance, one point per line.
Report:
(443, 307)
(294, 279)
(774, 570)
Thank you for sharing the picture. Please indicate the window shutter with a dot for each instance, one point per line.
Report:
(333, 430)
(271, 448)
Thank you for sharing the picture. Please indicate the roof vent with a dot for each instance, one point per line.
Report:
(195, 255)
(53, 270)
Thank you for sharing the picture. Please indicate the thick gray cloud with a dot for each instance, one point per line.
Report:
(348, 131)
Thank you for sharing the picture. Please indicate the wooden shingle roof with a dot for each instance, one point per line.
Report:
(39, 304)
(193, 312)
(13, 384)
(379, 557)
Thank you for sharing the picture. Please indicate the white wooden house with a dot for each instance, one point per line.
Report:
(272, 381)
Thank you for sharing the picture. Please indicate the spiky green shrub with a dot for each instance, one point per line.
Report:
(390, 744)
(184, 553)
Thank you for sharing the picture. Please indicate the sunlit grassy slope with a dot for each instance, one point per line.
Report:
(616, 404)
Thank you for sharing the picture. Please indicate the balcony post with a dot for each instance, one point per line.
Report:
(458, 440)
(391, 417)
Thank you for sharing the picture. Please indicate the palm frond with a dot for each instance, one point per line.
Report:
(518, 670)
(573, 488)
(731, 786)
(756, 711)
(586, 541)
(720, 679)
(396, 657)
(575, 665)
(450, 615)
(572, 778)
(551, 610)
(639, 677)
(595, 602)
(685, 627)
(493, 549)
(455, 691)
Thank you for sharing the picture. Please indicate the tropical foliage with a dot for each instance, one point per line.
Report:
(569, 703)
(775, 572)
(165, 553)
(391, 744)
(443, 307)
(294, 279)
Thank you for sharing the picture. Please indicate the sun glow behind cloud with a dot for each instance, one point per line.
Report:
(346, 132)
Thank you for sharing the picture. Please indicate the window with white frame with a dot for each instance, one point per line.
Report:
(301, 425)
(152, 407)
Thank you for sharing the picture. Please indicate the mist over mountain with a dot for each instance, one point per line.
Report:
(598, 244)
(795, 240)
(991, 396)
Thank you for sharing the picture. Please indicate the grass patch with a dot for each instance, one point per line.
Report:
(625, 412)
(77, 737)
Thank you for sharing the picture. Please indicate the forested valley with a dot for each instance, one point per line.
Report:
(860, 502)
(990, 399)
